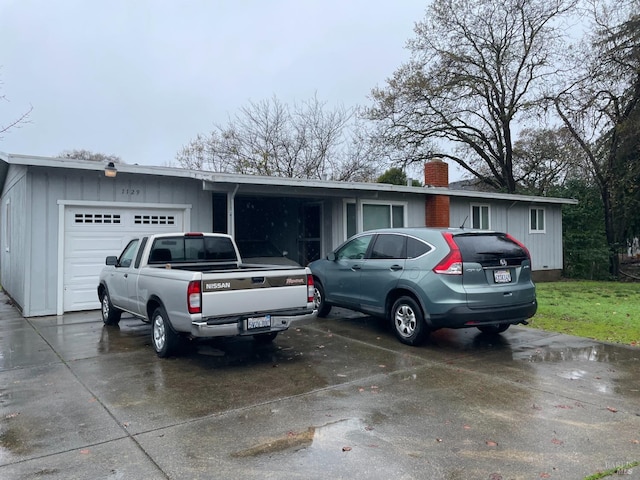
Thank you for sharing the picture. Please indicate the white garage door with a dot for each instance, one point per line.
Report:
(92, 233)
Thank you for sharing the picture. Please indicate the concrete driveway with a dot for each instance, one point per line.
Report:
(337, 399)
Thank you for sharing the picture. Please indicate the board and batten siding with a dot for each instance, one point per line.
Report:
(513, 218)
(48, 187)
(15, 243)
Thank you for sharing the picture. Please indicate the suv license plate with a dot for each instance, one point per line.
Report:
(502, 276)
(258, 322)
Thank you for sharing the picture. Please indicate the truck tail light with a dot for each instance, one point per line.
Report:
(194, 297)
(311, 290)
(452, 263)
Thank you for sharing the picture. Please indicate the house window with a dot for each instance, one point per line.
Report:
(536, 223)
(374, 215)
(480, 217)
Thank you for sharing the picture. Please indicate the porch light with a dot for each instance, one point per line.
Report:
(110, 170)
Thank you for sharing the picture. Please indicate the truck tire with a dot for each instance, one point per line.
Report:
(408, 321)
(110, 314)
(319, 299)
(165, 341)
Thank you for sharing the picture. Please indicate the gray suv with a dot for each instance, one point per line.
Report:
(423, 279)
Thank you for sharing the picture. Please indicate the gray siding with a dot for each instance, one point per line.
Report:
(15, 243)
(513, 218)
(48, 186)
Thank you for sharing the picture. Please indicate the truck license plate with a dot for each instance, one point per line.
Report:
(258, 322)
(502, 276)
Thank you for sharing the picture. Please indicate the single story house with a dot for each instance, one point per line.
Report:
(60, 218)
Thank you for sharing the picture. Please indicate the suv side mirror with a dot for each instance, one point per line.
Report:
(331, 257)
(111, 260)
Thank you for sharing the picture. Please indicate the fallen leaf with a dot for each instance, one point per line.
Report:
(12, 415)
(361, 389)
(84, 451)
(557, 442)
(636, 442)
(613, 410)
(368, 428)
(495, 476)
(346, 449)
(467, 427)
(545, 475)
(491, 443)
(382, 366)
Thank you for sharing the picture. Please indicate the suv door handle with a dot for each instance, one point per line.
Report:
(126, 275)
(395, 268)
(356, 267)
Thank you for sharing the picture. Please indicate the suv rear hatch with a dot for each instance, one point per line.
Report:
(496, 270)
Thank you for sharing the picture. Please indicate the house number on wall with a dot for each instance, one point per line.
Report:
(130, 191)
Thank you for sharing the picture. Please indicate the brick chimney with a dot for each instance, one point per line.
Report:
(436, 174)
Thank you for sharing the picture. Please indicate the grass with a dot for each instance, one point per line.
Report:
(607, 311)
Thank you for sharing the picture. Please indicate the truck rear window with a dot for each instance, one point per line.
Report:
(488, 249)
(192, 249)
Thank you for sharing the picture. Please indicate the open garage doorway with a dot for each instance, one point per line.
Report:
(292, 225)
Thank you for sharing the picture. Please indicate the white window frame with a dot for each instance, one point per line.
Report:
(360, 209)
(535, 228)
(480, 206)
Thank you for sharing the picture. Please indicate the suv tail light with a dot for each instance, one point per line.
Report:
(520, 244)
(452, 263)
(311, 291)
(194, 297)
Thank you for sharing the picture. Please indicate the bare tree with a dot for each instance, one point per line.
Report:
(601, 109)
(545, 158)
(90, 156)
(270, 138)
(16, 122)
(477, 68)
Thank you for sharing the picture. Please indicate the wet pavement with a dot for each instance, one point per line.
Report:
(339, 398)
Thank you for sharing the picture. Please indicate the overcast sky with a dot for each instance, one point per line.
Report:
(140, 78)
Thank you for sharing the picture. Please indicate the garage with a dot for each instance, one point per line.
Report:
(91, 232)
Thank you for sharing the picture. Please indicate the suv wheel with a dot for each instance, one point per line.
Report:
(408, 322)
(318, 299)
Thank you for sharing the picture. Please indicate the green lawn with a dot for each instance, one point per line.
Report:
(608, 311)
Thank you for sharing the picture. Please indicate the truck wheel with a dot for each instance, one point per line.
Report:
(165, 340)
(110, 314)
(318, 300)
(494, 329)
(408, 322)
(264, 338)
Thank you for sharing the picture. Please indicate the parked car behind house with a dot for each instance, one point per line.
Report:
(423, 279)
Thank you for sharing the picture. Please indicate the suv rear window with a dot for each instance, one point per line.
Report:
(488, 249)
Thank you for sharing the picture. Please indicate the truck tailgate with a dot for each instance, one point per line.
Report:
(244, 292)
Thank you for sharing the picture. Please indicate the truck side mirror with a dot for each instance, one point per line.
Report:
(111, 260)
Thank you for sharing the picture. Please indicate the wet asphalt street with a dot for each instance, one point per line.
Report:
(339, 398)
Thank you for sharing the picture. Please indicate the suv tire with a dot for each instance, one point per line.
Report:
(408, 321)
(319, 299)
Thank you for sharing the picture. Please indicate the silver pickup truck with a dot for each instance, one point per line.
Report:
(195, 285)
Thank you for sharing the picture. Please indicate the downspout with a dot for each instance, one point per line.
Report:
(231, 209)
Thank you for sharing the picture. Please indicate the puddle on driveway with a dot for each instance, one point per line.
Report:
(320, 438)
